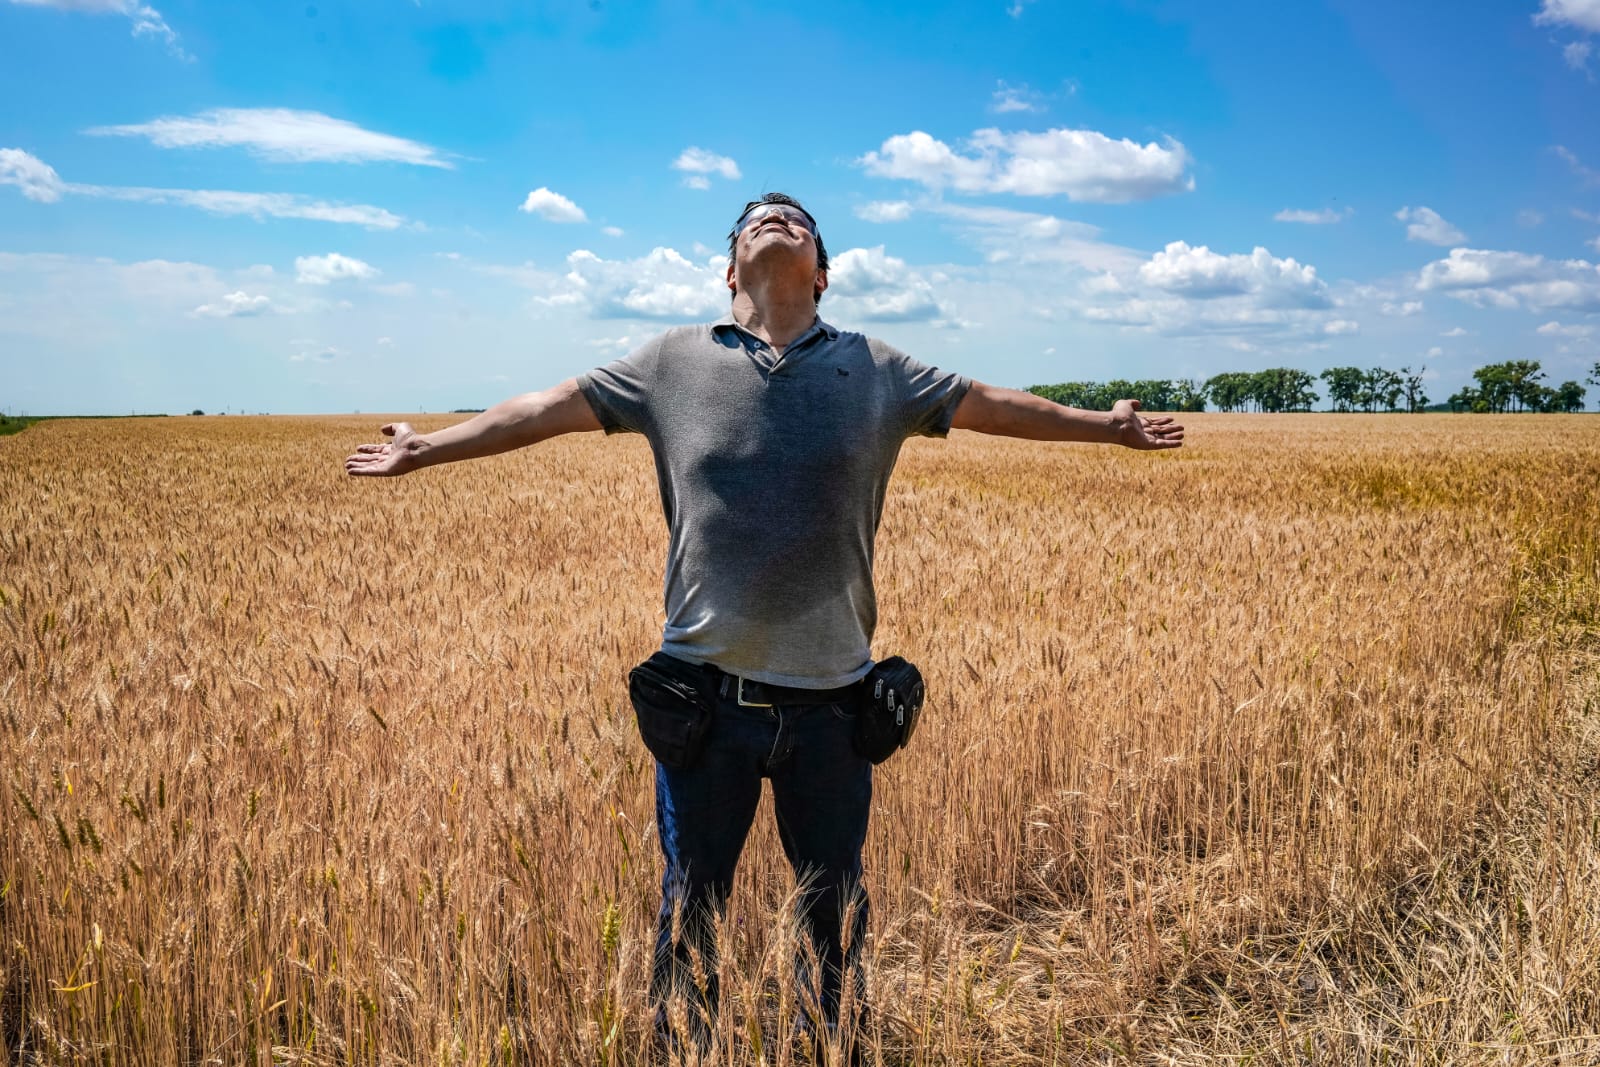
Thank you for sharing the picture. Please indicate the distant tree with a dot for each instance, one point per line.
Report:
(197, 411)
(1299, 390)
(1254, 388)
(1512, 386)
(1345, 385)
(1154, 394)
(1494, 388)
(1380, 388)
(1112, 391)
(1567, 398)
(1468, 399)
(1230, 390)
(1084, 395)
(1594, 374)
(1416, 399)
(1283, 389)
(1260, 390)
(1188, 395)
(1524, 375)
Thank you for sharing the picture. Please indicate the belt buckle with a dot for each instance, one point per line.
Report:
(743, 703)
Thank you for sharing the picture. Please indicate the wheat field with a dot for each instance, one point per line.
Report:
(1278, 749)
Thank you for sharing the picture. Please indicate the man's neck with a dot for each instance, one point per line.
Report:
(777, 318)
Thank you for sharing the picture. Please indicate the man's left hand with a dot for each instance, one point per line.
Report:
(1144, 432)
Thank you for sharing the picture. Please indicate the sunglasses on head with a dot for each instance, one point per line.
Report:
(787, 212)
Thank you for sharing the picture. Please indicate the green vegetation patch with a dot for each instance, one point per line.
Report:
(10, 424)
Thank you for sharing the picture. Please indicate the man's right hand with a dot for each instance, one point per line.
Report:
(400, 456)
(516, 423)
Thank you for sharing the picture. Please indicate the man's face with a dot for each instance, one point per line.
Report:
(774, 236)
(767, 224)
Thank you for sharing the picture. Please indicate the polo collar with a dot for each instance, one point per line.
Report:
(829, 331)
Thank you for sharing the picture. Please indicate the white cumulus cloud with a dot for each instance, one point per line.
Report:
(1470, 268)
(1191, 291)
(699, 163)
(1424, 224)
(279, 134)
(1082, 165)
(36, 178)
(311, 351)
(1242, 299)
(1027, 237)
(234, 305)
(321, 270)
(1589, 175)
(43, 294)
(1514, 280)
(866, 284)
(1321, 217)
(1557, 329)
(662, 286)
(39, 181)
(147, 21)
(884, 211)
(1579, 14)
(1200, 272)
(1009, 98)
(256, 205)
(620, 344)
(552, 207)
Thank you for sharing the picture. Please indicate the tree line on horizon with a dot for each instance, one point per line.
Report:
(1514, 385)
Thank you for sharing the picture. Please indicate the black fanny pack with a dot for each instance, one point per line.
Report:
(673, 703)
(891, 702)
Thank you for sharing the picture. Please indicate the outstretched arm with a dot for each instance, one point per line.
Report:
(1013, 413)
(522, 420)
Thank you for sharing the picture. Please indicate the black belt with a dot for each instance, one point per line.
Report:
(753, 694)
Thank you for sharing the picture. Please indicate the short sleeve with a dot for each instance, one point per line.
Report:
(620, 391)
(928, 396)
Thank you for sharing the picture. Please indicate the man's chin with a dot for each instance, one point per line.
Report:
(774, 252)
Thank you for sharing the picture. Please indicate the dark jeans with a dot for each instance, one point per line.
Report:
(821, 792)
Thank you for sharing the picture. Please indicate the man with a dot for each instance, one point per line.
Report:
(774, 437)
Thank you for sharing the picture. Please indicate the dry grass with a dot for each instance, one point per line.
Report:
(1279, 749)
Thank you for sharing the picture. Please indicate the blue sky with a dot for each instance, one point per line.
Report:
(417, 206)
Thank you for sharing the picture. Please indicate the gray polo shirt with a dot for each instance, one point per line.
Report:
(773, 472)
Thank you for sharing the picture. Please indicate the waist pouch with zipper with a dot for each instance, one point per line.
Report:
(674, 707)
(891, 702)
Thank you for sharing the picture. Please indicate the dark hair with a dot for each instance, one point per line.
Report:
(781, 198)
